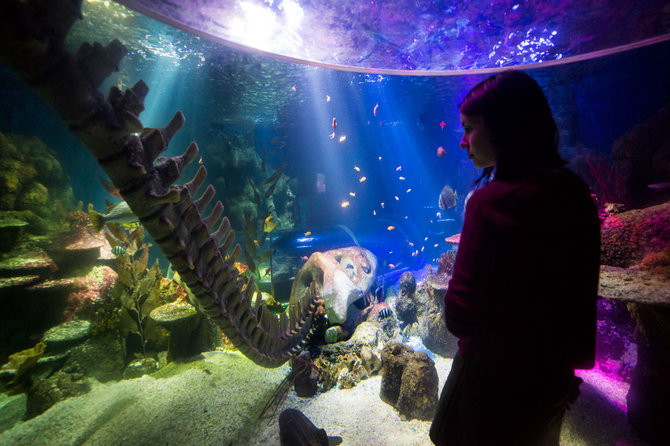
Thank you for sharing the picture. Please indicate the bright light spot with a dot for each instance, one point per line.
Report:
(255, 26)
(353, 194)
(343, 138)
(345, 204)
(293, 13)
(401, 178)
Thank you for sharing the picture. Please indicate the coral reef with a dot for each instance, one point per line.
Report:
(196, 247)
(33, 186)
(627, 237)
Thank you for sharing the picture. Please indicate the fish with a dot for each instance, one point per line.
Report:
(308, 233)
(293, 88)
(382, 203)
(200, 160)
(408, 190)
(240, 267)
(401, 178)
(345, 204)
(327, 98)
(374, 110)
(357, 169)
(390, 228)
(391, 266)
(269, 224)
(396, 198)
(362, 179)
(304, 258)
(353, 194)
(119, 213)
(334, 124)
(448, 198)
(442, 124)
(441, 152)
(398, 169)
(119, 251)
(343, 138)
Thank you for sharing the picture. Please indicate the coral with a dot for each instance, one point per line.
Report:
(445, 264)
(628, 237)
(657, 262)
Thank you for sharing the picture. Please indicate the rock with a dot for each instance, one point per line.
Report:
(295, 429)
(409, 381)
(31, 263)
(334, 333)
(140, 367)
(306, 375)
(342, 276)
(66, 335)
(10, 231)
(394, 359)
(180, 319)
(407, 284)
(101, 357)
(417, 398)
(48, 392)
(633, 285)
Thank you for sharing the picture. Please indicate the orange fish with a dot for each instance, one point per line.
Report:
(391, 228)
(308, 233)
(391, 266)
(200, 160)
(241, 267)
(374, 111)
(304, 258)
(332, 135)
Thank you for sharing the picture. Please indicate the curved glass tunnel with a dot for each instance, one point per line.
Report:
(348, 149)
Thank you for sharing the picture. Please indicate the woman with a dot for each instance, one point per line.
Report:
(522, 299)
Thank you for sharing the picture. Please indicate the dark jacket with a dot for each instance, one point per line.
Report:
(525, 280)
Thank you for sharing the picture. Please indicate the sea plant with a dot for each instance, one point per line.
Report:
(138, 290)
(254, 251)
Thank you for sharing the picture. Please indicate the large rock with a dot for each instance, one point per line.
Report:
(341, 276)
(409, 381)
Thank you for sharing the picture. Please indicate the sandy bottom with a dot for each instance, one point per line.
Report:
(216, 399)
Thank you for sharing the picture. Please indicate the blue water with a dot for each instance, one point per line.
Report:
(238, 105)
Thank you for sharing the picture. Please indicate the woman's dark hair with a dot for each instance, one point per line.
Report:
(519, 121)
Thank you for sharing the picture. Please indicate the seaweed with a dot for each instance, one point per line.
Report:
(19, 367)
(138, 290)
(258, 232)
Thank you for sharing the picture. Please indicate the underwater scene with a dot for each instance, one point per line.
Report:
(201, 244)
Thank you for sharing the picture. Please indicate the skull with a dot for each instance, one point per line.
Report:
(342, 276)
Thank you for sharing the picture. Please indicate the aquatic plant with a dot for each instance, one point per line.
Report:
(253, 250)
(21, 364)
(138, 288)
(198, 247)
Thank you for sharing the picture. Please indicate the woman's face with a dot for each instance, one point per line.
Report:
(477, 142)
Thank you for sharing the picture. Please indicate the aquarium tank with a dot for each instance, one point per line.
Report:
(234, 223)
